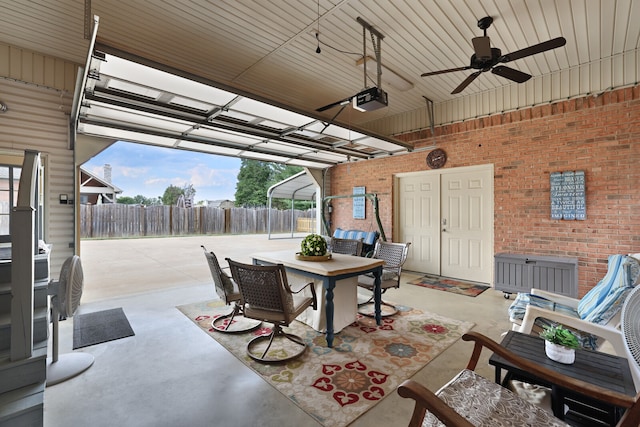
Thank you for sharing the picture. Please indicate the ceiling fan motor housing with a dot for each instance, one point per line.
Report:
(486, 64)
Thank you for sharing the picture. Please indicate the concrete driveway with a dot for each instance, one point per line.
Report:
(121, 267)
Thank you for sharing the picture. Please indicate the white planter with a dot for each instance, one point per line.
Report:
(559, 353)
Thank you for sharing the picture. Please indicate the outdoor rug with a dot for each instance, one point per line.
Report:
(461, 287)
(99, 327)
(337, 385)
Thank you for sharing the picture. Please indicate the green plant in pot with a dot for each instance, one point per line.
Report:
(313, 245)
(560, 343)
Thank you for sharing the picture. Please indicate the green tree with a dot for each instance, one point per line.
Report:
(126, 200)
(171, 195)
(253, 183)
(255, 178)
(138, 200)
(281, 172)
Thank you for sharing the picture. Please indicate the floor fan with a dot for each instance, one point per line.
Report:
(65, 299)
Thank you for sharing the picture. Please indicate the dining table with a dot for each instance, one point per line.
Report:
(330, 272)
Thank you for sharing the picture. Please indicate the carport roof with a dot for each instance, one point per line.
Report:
(298, 187)
(126, 100)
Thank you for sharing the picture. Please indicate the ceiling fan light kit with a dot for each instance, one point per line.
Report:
(487, 58)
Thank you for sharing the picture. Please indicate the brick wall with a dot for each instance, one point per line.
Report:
(600, 135)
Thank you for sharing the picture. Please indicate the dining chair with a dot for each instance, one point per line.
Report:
(346, 246)
(394, 256)
(228, 292)
(265, 295)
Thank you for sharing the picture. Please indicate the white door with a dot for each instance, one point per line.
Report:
(419, 202)
(447, 216)
(467, 222)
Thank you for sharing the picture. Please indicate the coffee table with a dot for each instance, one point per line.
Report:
(605, 370)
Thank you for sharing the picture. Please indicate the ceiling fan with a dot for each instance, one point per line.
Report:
(487, 58)
(368, 99)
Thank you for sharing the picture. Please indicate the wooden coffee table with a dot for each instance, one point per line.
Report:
(605, 370)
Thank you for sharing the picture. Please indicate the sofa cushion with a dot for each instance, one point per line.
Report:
(368, 237)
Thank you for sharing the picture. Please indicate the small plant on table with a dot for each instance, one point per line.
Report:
(560, 344)
(557, 334)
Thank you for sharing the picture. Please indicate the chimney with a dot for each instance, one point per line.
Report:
(107, 173)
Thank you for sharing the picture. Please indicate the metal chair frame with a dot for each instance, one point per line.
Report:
(266, 296)
(394, 256)
(346, 246)
(229, 296)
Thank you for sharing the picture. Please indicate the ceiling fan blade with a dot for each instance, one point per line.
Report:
(511, 74)
(434, 73)
(335, 104)
(466, 82)
(482, 47)
(532, 50)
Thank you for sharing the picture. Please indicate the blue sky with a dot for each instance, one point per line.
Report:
(148, 171)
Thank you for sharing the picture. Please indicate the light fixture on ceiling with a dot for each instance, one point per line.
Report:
(3, 107)
(389, 77)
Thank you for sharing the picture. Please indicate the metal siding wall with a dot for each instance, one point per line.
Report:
(28, 66)
(37, 119)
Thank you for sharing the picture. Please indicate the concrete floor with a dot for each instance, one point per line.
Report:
(172, 374)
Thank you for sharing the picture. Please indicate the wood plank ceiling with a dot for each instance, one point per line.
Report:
(268, 48)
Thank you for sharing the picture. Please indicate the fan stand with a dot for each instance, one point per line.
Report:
(61, 368)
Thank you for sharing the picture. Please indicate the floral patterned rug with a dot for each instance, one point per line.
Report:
(337, 385)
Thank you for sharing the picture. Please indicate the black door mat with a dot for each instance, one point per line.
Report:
(100, 326)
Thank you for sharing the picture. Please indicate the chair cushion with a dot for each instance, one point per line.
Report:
(388, 279)
(604, 301)
(519, 306)
(487, 404)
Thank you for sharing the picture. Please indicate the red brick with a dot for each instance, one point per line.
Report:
(597, 135)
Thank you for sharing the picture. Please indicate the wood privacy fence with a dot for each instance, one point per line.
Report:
(118, 220)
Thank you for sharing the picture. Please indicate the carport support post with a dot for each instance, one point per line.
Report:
(292, 218)
(320, 214)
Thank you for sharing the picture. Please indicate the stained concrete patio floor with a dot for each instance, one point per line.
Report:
(171, 374)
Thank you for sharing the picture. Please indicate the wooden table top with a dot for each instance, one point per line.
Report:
(339, 264)
(602, 369)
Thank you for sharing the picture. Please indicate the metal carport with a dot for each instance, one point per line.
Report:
(301, 186)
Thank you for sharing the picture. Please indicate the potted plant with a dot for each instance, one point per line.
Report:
(560, 344)
(313, 248)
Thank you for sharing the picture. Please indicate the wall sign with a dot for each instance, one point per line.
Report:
(568, 199)
(358, 203)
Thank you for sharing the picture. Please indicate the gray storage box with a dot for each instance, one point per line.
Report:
(520, 273)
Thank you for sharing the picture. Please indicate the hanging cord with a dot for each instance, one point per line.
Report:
(336, 49)
(318, 50)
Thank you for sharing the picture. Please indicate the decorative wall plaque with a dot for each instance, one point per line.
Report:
(358, 203)
(568, 195)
